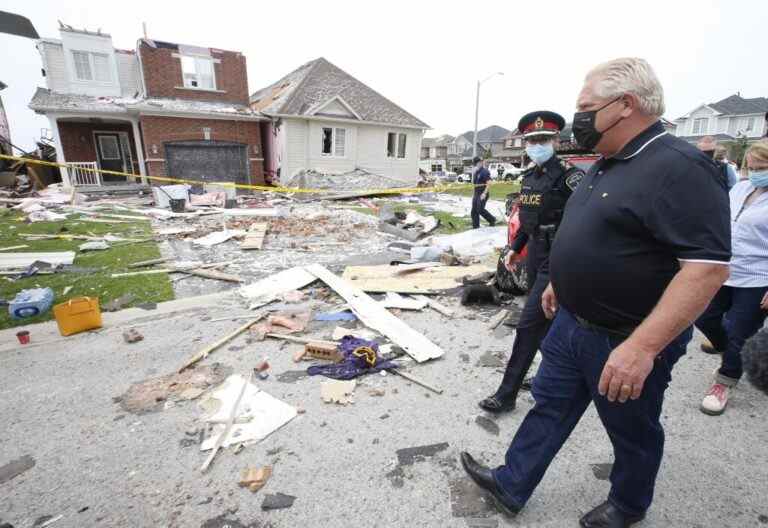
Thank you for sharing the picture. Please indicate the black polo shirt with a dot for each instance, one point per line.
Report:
(629, 223)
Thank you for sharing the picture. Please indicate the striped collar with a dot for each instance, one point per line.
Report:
(641, 141)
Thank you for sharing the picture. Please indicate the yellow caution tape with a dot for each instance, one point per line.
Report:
(269, 188)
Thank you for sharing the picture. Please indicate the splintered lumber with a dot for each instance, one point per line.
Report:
(211, 274)
(436, 306)
(9, 248)
(202, 354)
(416, 380)
(151, 262)
(497, 319)
(378, 318)
(254, 237)
(228, 427)
(301, 340)
(380, 279)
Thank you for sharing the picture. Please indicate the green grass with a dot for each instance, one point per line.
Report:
(499, 190)
(145, 288)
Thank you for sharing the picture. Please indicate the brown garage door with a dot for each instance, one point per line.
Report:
(207, 161)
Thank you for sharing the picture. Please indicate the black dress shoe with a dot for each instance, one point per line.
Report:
(608, 516)
(483, 477)
(497, 405)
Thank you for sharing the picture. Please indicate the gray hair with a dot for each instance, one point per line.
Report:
(630, 75)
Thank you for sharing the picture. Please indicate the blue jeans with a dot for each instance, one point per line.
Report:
(566, 383)
(740, 307)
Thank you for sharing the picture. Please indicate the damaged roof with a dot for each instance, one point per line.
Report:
(45, 100)
(318, 82)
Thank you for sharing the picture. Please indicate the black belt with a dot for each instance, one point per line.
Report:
(622, 331)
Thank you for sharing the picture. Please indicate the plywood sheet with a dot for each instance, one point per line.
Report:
(388, 279)
(22, 260)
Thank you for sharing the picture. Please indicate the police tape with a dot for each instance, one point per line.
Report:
(268, 188)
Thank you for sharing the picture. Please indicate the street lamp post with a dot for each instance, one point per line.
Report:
(477, 110)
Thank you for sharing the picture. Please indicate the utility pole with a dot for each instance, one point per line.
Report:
(477, 111)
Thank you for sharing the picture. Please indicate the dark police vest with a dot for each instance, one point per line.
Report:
(544, 192)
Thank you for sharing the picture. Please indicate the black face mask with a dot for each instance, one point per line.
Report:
(587, 136)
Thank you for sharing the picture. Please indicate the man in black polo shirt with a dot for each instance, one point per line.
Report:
(643, 247)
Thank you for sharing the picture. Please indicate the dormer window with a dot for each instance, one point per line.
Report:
(91, 66)
(198, 72)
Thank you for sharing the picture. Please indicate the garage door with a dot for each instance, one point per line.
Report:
(207, 161)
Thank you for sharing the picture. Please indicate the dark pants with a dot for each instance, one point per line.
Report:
(733, 316)
(478, 210)
(531, 328)
(573, 360)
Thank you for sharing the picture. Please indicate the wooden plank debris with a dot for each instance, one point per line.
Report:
(202, 354)
(267, 290)
(374, 316)
(211, 274)
(430, 280)
(254, 237)
(23, 260)
(301, 340)
(497, 319)
(416, 380)
(436, 306)
(151, 262)
(10, 248)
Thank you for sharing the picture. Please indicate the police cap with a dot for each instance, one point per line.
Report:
(541, 123)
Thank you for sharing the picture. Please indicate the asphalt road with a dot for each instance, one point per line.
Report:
(96, 464)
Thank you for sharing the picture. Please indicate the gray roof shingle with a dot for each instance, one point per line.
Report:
(318, 82)
(491, 134)
(737, 105)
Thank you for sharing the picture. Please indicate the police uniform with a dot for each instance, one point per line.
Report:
(545, 190)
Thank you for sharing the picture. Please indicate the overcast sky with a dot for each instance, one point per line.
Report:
(427, 56)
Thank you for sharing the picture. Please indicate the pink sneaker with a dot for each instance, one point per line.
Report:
(715, 400)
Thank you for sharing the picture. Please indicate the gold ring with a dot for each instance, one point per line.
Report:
(626, 387)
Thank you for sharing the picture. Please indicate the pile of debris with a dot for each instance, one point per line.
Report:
(356, 180)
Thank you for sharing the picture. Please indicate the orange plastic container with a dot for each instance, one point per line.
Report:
(78, 315)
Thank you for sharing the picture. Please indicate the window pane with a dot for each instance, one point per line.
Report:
(82, 66)
(110, 150)
(401, 146)
(101, 67)
(391, 139)
(205, 73)
(188, 65)
(327, 141)
(341, 138)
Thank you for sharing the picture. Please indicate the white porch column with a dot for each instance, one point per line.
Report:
(52, 118)
(139, 150)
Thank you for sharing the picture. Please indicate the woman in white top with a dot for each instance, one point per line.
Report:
(739, 309)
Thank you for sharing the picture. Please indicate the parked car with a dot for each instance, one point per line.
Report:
(445, 176)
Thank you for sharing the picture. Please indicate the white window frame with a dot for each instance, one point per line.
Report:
(393, 153)
(749, 123)
(700, 131)
(187, 83)
(334, 147)
(92, 67)
(405, 146)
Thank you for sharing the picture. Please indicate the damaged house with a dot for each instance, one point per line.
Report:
(325, 120)
(162, 109)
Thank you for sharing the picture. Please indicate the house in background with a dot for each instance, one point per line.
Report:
(325, 120)
(492, 139)
(434, 154)
(725, 120)
(163, 109)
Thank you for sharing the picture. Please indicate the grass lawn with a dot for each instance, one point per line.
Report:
(98, 283)
(499, 190)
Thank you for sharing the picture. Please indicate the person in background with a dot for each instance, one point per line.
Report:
(743, 299)
(546, 187)
(481, 179)
(721, 157)
(709, 146)
(642, 249)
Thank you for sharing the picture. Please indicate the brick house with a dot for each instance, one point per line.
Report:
(162, 109)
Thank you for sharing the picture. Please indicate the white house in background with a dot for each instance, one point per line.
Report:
(725, 120)
(324, 119)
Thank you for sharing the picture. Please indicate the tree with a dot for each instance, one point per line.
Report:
(736, 149)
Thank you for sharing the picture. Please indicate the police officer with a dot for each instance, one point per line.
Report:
(546, 186)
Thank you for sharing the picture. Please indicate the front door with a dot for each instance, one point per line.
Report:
(110, 154)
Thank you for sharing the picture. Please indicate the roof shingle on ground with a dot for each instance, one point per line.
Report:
(46, 100)
(318, 82)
